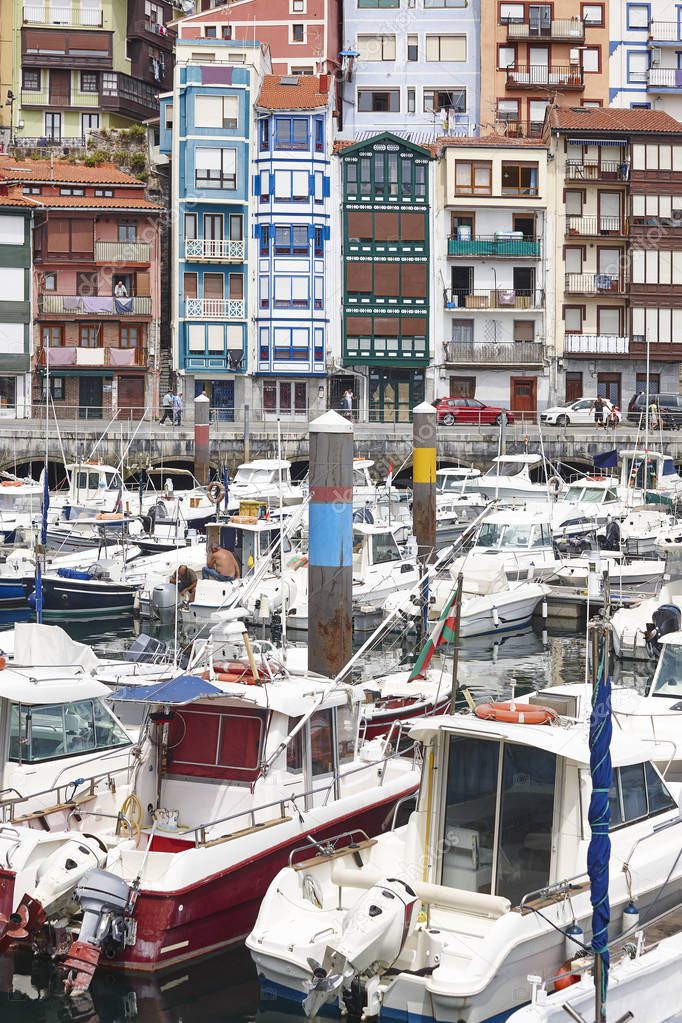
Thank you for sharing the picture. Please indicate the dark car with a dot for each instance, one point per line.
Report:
(469, 410)
(669, 406)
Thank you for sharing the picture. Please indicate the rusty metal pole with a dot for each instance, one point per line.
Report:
(424, 419)
(330, 544)
(202, 409)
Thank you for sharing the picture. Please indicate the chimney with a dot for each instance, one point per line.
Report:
(324, 84)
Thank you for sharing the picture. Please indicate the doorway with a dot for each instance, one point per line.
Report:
(523, 393)
(90, 390)
(393, 393)
(574, 387)
(608, 386)
(130, 397)
(461, 284)
(222, 400)
(60, 88)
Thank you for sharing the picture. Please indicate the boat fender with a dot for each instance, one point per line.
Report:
(554, 485)
(574, 941)
(516, 714)
(496, 617)
(215, 492)
(563, 978)
(630, 918)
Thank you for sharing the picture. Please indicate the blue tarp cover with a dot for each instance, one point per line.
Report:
(178, 691)
(669, 467)
(606, 460)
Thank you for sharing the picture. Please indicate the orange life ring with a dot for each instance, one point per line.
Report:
(516, 714)
(215, 492)
(232, 671)
(564, 978)
(12, 483)
(3, 663)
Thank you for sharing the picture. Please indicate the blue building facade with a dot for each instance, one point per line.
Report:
(207, 127)
(291, 186)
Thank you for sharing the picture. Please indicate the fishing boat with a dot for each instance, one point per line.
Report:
(445, 918)
(99, 591)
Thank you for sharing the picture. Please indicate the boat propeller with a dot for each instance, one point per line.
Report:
(321, 989)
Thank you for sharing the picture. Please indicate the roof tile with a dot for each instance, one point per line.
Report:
(612, 119)
(309, 92)
(63, 171)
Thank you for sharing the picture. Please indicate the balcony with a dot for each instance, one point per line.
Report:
(92, 358)
(129, 97)
(515, 129)
(546, 76)
(665, 33)
(226, 250)
(660, 351)
(215, 308)
(66, 48)
(593, 284)
(664, 79)
(386, 350)
(512, 353)
(597, 227)
(496, 298)
(596, 344)
(122, 252)
(46, 98)
(72, 15)
(144, 28)
(94, 305)
(498, 247)
(558, 30)
(607, 170)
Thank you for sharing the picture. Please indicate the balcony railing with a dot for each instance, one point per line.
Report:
(215, 308)
(665, 31)
(512, 353)
(129, 96)
(594, 227)
(67, 14)
(594, 284)
(44, 98)
(122, 252)
(496, 298)
(515, 129)
(664, 78)
(484, 245)
(96, 305)
(63, 356)
(596, 344)
(607, 170)
(570, 29)
(63, 142)
(531, 76)
(226, 250)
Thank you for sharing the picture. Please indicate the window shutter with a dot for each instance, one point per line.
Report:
(256, 186)
(453, 48)
(142, 282)
(299, 289)
(325, 186)
(206, 159)
(208, 111)
(414, 284)
(216, 337)
(195, 337)
(433, 48)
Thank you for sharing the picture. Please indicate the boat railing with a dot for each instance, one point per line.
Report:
(409, 797)
(330, 845)
(62, 800)
(552, 892)
(656, 830)
(12, 836)
(119, 817)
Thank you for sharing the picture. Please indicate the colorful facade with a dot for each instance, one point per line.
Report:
(293, 236)
(16, 215)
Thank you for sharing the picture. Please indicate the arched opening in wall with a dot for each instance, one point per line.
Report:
(30, 469)
(574, 468)
(299, 469)
(180, 471)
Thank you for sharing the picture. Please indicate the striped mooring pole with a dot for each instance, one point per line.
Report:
(202, 428)
(424, 437)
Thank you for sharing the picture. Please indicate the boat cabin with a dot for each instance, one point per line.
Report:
(455, 480)
(362, 477)
(517, 465)
(648, 470)
(250, 541)
(667, 680)
(591, 490)
(372, 545)
(262, 472)
(513, 531)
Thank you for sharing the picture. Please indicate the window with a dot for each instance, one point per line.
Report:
(32, 190)
(367, 4)
(226, 32)
(591, 59)
(291, 293)
(104, 193)
(43, 732)
(473, 178)
(89, 81)
(524, 330)
(298, 6)
(319, 135)
(291, 241)
(445, 3)
(536, 113)
(216, 111)
(292, 186)
(216, 168)
(573, 260)
(379, 102)
(130, 336)
(375, 48)
(638, 16)
(127, 232)
(168, 116)
(439, 48)
(52, 336)
(506, 56)
(30, 80)
(263, 292)
(297, 33)
(89, 122)
(321, 743)
(236, 227)
(637, 66)
(302, 69)
(190, 226)
(72, 191)
(593, 15)
(265, 134)
(413, 47)
(411, 101)
(213, 227)
(89, 335)
(235, 284)
(211, 32)
(57, 388)
(573, 319)
(573, 202)
(50, 282)
(190, 285)
(445, 99)
(519, 179)
(512, 14)
(214, 285)
(319, 243)
(463, 334)
(153, 13)
(264, 240)
(291, 133)
(221, 743)
(637, 792)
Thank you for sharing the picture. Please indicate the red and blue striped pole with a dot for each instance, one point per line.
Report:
(330, 544)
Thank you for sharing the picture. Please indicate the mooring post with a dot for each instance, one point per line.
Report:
(330, 544)
(424, 431)
(202, 428)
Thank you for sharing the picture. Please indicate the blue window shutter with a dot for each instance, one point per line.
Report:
(326, 187)
(311, 233)
(256, 230)
(311, 184)
(256, 184)
(327, 233)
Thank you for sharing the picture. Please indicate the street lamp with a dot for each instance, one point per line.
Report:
(9, 102)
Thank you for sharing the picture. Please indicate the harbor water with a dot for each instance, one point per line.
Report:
(224, 987)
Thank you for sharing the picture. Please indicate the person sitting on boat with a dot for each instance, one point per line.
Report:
(222, 566)
(186, 581)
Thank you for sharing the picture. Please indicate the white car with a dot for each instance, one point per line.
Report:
(578, 413)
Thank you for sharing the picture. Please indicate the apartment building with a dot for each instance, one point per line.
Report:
(208, 127)
(16, 216)
(302, 35)
(83, 65)
(95, 287)
(644, 64)
(385, 290)
(617, 185)
(292, 215)
(491, 227)
(411, 66)
(534, 54)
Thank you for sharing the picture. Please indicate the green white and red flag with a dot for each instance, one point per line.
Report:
(444, 631)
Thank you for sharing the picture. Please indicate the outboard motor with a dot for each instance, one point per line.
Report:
(363, 515)
(611, 541)
(146, 649)
(666, 619)
(373, 934)
(107, 902)
(164, 599)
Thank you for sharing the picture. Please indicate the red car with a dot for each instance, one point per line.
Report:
(469, 410)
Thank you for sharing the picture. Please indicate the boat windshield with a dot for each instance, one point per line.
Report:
(499, 810)
(506, 468)
(668, 678)
(499, 534)
(384, 548)
(452, 484)
(590, 495)
(114, 481)
(251, 476)
(47, 732)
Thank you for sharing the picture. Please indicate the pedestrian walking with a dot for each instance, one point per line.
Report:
(177, 409)
(347, 403)
(167, 407)
(599, 408)
(654, 420)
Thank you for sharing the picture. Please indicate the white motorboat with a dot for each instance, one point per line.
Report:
(522, 538)
(509, 479)
(456, 505)
(584, 506)
(445, 918)
(636, 631)
(625, 577)
(236, 771)
(263, 479)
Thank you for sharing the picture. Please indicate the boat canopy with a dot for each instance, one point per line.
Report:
(36, 644)
(37, 686)
(176, 691)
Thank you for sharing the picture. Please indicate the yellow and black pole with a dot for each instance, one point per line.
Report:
(424, 430)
